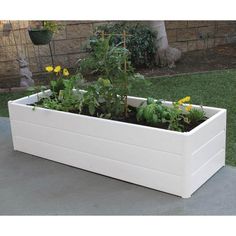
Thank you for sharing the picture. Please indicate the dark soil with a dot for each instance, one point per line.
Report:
(218, 58)
(131, 118)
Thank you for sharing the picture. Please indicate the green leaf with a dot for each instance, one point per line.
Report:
(91, 109)
(31, 89)
(139, 113)
(150, 100)
(155, 118)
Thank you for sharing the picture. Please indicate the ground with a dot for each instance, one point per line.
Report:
(35, 186)
(218, 58)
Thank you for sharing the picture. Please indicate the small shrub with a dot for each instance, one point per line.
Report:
(140, 41)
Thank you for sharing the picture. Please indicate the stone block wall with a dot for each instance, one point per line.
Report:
(198, 35)
(69, 44)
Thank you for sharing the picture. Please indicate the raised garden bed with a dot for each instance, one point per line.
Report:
(169, 161)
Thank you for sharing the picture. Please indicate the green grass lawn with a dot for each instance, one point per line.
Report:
(5, 97)
(217, 89)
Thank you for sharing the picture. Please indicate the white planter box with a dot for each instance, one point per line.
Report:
(169, 161)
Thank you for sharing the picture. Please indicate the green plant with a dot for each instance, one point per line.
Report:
(140, 41)
(101, 98)
(110, 62)
(51, 26)
(67, 99)
(175, 117)
(154, 112)
(110, 102)
(106, 60)
(57, 82)
(196, 115)
(64, 96)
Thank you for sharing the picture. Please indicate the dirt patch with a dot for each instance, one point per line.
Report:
(218, 58)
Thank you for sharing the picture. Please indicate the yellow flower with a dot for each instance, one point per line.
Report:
(57, 69)
(184, 100)
(49, 68)
(65, 72)
(188, 108)
(187, 99)
(180, 102)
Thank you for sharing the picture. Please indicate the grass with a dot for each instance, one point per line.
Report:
(5, 97)
(217, 89)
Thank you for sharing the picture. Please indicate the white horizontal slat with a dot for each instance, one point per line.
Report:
(149, 158)
(208, 150)
(116, 169)
(31, 98)
(207, 131)
(158, 139)
(207, 170)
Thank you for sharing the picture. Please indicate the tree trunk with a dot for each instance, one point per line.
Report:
(166, 55)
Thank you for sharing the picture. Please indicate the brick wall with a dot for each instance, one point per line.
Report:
(68, 44)
(197, 35)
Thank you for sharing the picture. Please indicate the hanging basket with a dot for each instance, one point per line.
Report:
(40, 36)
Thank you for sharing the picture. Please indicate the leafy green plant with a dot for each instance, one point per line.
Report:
(177, 117)
(101, 97)
(90, 100)
(153, 113)
(106, 60)
(51, 26)
(140, 41)
(110, 62)
(196, 115)
(157, 114)
(64, 96)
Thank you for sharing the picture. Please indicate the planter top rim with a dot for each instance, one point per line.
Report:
(39, 30)
(219, 112)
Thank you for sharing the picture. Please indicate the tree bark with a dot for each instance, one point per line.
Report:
(166, 55)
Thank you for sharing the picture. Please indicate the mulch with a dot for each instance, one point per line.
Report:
(218, 58)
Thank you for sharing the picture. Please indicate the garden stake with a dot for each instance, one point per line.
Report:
(124, 35)
(126, 83)
(51, 54)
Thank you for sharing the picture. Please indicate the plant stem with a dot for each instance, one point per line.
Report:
(126, 82)
(51, 54)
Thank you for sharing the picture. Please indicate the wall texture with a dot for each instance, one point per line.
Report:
(69, 44)
(197, 35)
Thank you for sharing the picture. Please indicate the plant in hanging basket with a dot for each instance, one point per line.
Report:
(43, 34)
